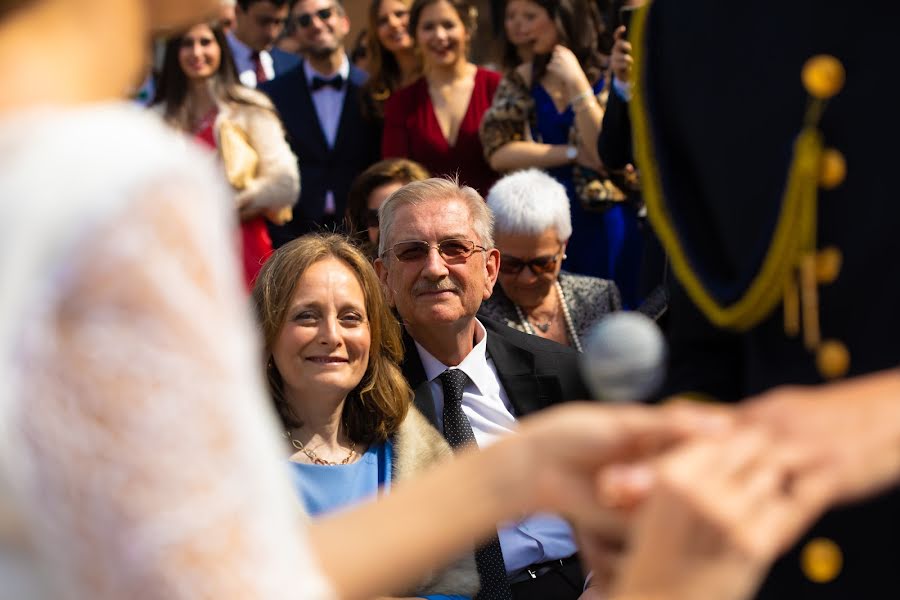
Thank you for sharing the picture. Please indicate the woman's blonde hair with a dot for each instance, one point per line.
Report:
(376, 407)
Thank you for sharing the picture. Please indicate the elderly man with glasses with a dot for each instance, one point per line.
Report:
(473, 378)
(532, 225)
(321, 108)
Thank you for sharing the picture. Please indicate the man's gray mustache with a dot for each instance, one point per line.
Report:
(441, 286)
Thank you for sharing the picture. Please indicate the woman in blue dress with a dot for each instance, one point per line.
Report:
(547, 114)
(333, 348)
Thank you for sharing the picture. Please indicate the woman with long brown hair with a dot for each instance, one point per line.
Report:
(392, 60)
(331, 352)
(199, 94)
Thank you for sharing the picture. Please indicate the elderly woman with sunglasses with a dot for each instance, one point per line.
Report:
(531, 229)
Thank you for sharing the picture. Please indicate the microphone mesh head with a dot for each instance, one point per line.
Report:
(624, 357)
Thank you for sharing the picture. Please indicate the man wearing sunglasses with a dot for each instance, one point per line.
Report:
(474, 377)
(258, 24)
(320, 106)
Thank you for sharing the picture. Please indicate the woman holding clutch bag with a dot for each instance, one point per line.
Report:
(199, 93)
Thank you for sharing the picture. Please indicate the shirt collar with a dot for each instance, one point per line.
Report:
(474, 365)
(239, 48)
(343, 71)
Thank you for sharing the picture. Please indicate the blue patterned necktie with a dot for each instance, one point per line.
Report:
(458, 431)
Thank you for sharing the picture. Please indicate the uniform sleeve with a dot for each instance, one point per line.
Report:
(152, 462)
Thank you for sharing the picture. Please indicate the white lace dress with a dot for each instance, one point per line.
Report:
(138, 456)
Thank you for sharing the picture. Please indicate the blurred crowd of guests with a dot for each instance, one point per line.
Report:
(408, 91)
(313, 137)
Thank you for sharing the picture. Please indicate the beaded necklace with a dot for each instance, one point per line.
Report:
(567, 317)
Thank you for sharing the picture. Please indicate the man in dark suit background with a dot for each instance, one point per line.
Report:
(473, 378)
(319, 103)
(258, 24)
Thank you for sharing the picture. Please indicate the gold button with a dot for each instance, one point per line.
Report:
(828, 264)
(823, 76)
(832, 359)
(821, 560)
(832, 169)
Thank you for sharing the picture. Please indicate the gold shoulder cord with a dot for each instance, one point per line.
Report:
(792, 267)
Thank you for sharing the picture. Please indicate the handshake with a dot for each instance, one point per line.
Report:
(693, 500)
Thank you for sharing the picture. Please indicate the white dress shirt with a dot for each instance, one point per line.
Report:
(533, 540)
(329, 104)
(243, 60)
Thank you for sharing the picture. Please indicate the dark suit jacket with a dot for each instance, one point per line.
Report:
(535, 372)
(321, 168)
(614, 141)
(283, 61)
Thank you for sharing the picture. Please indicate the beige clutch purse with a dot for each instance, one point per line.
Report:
(241, 163)
(240, 159)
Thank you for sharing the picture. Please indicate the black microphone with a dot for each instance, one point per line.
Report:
(624, 357)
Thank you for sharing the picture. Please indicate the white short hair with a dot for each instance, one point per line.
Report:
(529, 202)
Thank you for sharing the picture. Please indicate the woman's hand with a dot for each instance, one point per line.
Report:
(564, 451)
(564, 65)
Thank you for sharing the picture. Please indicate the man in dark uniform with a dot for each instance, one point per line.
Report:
(772, 194)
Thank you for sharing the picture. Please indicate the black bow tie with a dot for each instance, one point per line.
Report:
(337, 82)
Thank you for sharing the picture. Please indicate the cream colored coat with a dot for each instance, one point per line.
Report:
(277, 182)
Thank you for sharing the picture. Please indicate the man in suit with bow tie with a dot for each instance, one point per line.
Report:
(319, 103)
(473, 378)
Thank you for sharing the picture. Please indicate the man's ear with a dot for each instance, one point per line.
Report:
(492, 269)
(381, 270)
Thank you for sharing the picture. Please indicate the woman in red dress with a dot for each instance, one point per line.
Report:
(434, 121)
(199, 93)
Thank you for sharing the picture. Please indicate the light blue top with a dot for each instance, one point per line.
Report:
(325, 488)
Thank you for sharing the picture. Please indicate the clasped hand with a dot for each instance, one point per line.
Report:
(678, 502)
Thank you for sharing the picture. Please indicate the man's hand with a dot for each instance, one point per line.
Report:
(854, 425)
(720, 512)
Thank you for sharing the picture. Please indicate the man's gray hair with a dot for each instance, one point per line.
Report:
(528, 202)
(419, 192)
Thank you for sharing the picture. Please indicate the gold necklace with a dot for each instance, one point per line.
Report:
(315, 457)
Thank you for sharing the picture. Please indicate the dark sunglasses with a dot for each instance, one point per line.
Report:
(510, 265)
(372, 217)
(450, 250)
(305, 20)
